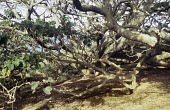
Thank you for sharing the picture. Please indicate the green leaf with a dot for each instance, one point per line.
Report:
(34, 85)
(3, 72)
(43, 55)
(6, 63)
(46, 38)
(31, 72)
(41, 64)
(47, 90)
(51, 80)
(26, 57)
(16, 62)
(10, 66)
(23, 56)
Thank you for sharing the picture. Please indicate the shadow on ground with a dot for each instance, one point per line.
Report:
(153, 89)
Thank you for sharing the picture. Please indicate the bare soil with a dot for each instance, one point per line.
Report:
(152, 93)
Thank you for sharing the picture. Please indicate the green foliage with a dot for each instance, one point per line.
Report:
(39, 27)
(7, 22)
(34, 85)
(5, 72)
(3, 38)
(50, 80)
(10, 65)
(19, 51)
(66, 25)
(22, 63)
(4, 35)
(47, 90)
(16, 62)
(9, 13)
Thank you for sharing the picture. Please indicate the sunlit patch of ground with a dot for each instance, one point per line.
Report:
(153, 93)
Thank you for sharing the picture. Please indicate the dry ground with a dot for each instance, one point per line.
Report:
(153, 93)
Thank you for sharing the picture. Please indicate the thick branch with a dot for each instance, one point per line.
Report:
(85, 64)
(95, 9)
(150, 40)
(134, 35)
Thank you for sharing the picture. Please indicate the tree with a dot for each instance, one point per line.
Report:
(116, 39)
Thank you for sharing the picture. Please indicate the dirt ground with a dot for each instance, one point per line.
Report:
(152, 93)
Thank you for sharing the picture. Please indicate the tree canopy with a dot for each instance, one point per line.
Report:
(61, 39)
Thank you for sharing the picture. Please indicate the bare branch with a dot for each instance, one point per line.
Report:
(95, 9)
